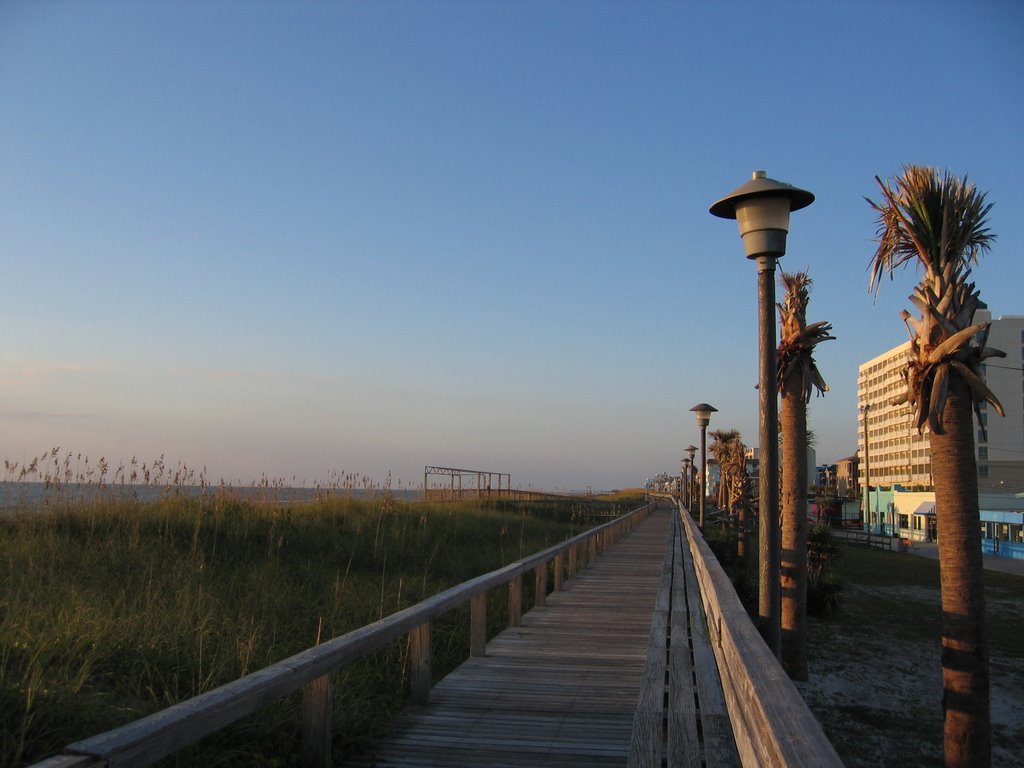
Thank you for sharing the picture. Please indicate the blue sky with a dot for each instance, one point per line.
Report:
(296, 238)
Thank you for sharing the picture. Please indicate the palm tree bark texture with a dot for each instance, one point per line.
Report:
(940, 222)
(798, 375)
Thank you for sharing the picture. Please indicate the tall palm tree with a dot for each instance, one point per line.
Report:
(940, 222)
(798, 375)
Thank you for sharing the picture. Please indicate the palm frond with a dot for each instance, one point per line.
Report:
(935, 219)
(795, 359)
(938, 221)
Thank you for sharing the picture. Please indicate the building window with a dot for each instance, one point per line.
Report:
(983, 471)
(981, 436)
(983, 452)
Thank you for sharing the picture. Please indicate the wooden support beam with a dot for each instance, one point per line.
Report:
(478, 625)
(515, 601)
(419, 664)
(540, 584)
(316, 723)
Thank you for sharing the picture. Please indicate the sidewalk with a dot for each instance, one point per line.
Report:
(992, 563)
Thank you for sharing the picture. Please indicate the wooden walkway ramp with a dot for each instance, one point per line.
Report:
(562, 688)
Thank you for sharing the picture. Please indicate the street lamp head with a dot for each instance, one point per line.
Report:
(704, 411)
(691, 451)
(685, 464)
(761, 207)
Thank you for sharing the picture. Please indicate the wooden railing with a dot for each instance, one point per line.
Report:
(876, 540)
(665, 727)
(770, 720)
(163, 733)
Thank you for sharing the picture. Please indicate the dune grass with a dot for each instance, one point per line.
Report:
(112, 609)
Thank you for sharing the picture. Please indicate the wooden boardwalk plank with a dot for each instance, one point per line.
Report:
(561, 689)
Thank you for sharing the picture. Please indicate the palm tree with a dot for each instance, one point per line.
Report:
(798, 375)
(730, 453)
(720, 445)
(940, 221)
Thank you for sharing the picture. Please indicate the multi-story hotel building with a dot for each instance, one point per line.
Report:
(896, 455)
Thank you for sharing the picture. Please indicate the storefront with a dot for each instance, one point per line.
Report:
(1002, 533)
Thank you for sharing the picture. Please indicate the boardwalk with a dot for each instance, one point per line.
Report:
(559, 690)
(646, 658)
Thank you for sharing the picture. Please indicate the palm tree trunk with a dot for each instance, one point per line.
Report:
(965, 668)
(793, 577)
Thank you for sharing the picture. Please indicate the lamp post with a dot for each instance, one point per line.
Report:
(761, 207)
(691, 450)
(703, 411)
(867, 469)
(684, 473)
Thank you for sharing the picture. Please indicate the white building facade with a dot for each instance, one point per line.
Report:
(891, 451)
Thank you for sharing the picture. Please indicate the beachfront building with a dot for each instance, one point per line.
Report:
(896, 456)
(1001, 518)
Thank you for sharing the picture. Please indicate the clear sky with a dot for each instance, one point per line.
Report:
(291, 238)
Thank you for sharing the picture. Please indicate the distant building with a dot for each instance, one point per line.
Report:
(847, 484)
(825, 478)
(753, 462)
(897, 456)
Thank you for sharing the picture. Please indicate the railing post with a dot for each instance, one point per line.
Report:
(316, 723)
(591, 551)
(478, 625)
(572, 561)
(419, 658)
(515, 601)
(540, 583)
(559, 575)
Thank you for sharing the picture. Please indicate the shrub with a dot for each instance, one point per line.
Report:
(824, 586)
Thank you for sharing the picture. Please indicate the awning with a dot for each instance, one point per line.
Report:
(926, 508)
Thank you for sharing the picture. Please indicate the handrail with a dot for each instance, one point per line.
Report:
(155, 736)
(772, 723)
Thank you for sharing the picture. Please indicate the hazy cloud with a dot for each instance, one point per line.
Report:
(44, 371)
(37, 416)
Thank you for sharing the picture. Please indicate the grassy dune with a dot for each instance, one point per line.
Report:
(110, 610)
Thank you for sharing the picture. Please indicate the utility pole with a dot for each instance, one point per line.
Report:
(867, 468)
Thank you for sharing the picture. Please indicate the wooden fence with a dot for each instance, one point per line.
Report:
(151, 738)
(771, 722)
(866, 538)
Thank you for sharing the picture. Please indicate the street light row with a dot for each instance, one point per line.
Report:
(761, 208)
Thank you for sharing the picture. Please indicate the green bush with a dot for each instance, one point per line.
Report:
(824, 586)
